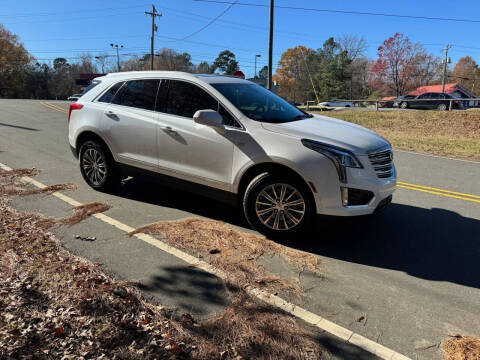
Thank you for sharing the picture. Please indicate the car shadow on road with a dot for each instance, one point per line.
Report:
(432, 244)
(149, 190)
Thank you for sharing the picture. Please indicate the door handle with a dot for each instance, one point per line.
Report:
(168, 129)
(110, 113)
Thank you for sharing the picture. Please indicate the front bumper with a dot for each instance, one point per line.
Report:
(328, 197)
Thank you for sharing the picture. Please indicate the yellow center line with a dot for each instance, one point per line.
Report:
(57, 107)
(438, 193)
(437, 189)
(54, 107)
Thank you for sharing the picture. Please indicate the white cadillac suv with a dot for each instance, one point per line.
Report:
(231, 139)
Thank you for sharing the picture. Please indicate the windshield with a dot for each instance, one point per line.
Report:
(260, 104)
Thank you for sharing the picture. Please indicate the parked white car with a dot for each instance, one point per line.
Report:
(337, 103)
(232, 139)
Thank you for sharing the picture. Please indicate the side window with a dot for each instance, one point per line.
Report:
(139, 94)
(110, 93)
(425, 96)
(184, 99)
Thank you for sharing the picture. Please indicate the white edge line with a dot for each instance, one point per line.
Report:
(436, 156)
(347, 335)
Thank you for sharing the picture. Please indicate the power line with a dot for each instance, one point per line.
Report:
(68, 19)
(249, 27)
(70, 11)
(344, 11)
(212, 21)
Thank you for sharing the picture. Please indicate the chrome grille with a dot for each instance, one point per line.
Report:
(382, 163)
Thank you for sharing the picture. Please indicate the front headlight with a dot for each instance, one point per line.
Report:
(341, 158)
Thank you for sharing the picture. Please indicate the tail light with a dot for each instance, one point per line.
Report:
(74, 106)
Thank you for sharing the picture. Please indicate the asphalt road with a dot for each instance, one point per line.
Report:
(412, 270)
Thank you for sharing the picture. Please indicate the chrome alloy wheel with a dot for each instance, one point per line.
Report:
(93, 164)
(280, 207)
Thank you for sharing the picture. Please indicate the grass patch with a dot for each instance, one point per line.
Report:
(232, 251)
(460, 347)
(455, 133)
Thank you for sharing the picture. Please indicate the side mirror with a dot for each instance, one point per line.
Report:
(209, 117)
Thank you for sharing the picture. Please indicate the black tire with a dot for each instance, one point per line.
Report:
(286, 226)
(111, 176)
(442, 107)
(403, 105)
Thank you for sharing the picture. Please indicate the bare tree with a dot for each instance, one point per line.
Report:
(354, 45)
(169, 59)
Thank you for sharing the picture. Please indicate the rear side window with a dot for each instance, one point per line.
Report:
(110, 94)
(184, 99)
(90, 87)
(139, 94)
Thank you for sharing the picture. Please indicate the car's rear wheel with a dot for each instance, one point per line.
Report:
(403, 105)
(97, 166)
(278, 206)
(442, 107)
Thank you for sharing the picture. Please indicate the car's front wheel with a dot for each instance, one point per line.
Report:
(278, 206)
(442, 107)
(97, 166)
(404, 105)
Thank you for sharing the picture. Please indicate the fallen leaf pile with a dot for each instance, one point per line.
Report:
(458, 347)
(234, 252)
(54, 305)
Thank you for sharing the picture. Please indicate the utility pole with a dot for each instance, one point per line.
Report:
(270, 47)
(445, 66)
(256, 56)
(153, 14)
(118, 55)
(311, 80)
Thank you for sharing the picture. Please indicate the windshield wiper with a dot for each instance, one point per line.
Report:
(300, 117)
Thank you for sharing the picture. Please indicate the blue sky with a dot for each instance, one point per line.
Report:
(56, 28)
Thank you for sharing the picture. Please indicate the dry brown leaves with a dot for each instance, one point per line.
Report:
(56, 305)
(53, 304)
(460, 347)
(83, 211)
(11, 184)
(232, 251)
(254, 330)
(17, 190)
(18, 173)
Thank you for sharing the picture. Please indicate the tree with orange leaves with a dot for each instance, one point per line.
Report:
(291, 75)
(467, 73)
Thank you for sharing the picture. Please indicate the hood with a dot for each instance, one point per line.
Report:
(352, 137)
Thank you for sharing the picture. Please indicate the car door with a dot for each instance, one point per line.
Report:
(130, 124)
(420, 103)
(438, 100)
(189, 150)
